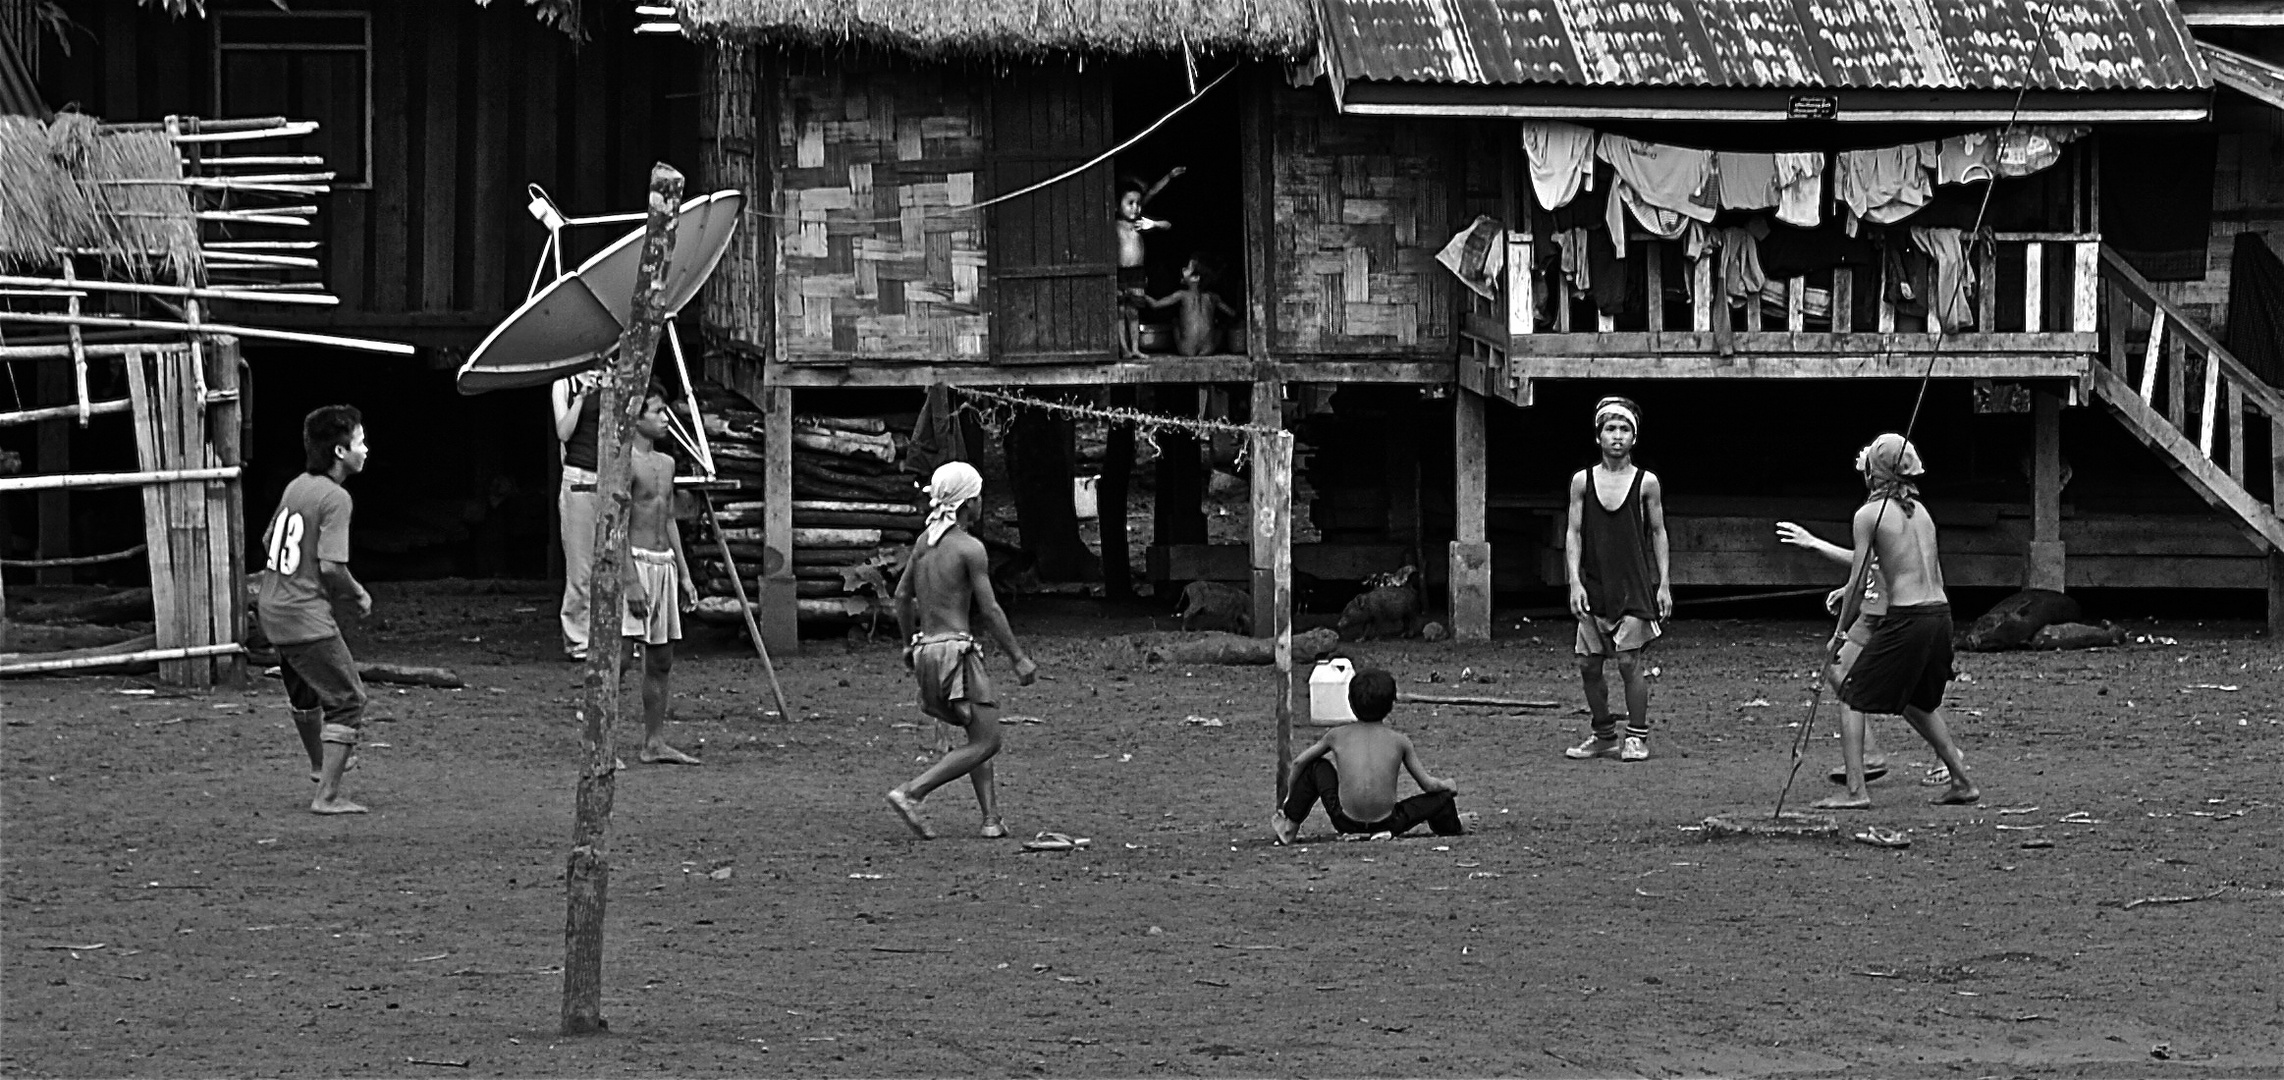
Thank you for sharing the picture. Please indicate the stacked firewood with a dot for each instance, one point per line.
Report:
(854, 513)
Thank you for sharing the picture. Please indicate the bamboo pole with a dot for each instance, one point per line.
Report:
(81, 663)
(285, 131)
(78, 345)
(62, 351)
(57, 481)
(76, 560)
(108, 322)
(70, 280)
(63, 412)
(261, 245)
(745, 607)
(586, 876)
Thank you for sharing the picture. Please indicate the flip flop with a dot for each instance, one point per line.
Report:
(1878, 836)
(1871, 773)
(1055, 841)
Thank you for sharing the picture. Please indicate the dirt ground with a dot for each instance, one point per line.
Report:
(768, 915)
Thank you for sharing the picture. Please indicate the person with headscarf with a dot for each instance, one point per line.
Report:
(1616, 530)
(1905, 666)
(948, 574)
(1874, 764)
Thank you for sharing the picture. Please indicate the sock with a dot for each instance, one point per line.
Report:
(1636, 731)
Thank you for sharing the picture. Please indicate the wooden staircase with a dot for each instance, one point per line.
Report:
(2190, 401)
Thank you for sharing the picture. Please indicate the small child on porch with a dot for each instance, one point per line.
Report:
(1199, 310)
(1353, 769)
(1133, 275)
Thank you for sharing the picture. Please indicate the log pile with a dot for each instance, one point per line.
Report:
(854, 513)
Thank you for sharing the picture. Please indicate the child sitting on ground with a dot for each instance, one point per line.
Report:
(1198, 320)
(1357, 781)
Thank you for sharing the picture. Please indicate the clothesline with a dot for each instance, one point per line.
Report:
(1142, 421)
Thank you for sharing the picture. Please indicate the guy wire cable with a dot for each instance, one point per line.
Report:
(1919, 401)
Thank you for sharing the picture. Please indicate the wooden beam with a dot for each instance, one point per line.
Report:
(2232, 12)
(2253, 78)
(841, 372)
(1470, 555)
(2046, 564)
(1870, 365)
(1272, 506)
(2208, 480)
(780, 594)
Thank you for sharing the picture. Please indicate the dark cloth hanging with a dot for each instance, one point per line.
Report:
(2256, 307)
(2157, 200)
(1788, 251)
(937, 437)
(1613, 287)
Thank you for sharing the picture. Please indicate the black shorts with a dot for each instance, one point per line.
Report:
(1907, 662)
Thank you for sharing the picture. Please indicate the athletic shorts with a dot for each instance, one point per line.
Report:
(949, 668)
(661, 588)
(1602, 637)
(321, 675)
(1908, 662)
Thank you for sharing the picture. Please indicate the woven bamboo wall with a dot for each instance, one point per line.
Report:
(869, 266)
(1362, 206)
(735, 306)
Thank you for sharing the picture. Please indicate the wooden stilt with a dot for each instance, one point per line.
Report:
(1110, 501)
(780, 594)
(2276, 506)
(1470, 568)
(2045, 566)
(1272, 456)
(586, 877)
(1267, 491)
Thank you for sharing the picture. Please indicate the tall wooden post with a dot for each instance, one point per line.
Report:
(780, 603)
(2276, 506)
(586, 880)
(1470, 584)
(226, 509)
(1273, 543)
(1110, 500)
(1272, 499)
(2046, 551)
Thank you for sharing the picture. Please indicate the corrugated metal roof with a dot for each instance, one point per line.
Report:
(2059, 45)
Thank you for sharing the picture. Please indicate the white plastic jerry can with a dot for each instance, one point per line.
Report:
(1328, 691)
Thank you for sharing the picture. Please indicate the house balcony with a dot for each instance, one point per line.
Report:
(2033, 315)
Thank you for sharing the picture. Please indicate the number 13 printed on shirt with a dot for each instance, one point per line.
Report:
(285, 544)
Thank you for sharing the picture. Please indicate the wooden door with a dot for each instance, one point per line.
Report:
(1053, 255)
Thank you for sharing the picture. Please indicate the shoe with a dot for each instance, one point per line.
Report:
(1595, 746)
(1635, 748)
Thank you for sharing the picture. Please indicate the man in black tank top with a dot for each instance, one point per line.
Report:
(1617, 527)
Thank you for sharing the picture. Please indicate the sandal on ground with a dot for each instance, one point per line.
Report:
(1055, 841)
(1878, 836)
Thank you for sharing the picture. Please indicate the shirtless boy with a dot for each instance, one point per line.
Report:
(947, 574)
(1198, 310)
(1353, 770)
(1133, 275)
(1906, 664)
(1859, 634)
(1617, 530)
(306, 572)
(657, 577)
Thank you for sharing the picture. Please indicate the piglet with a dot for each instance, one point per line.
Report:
(1211, 605)
(1388, 611)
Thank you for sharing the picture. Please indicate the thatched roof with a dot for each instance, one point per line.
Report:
(55, 192)
(939, 29)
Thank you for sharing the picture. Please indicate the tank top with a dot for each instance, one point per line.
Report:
(1614, 555)
(580, 450)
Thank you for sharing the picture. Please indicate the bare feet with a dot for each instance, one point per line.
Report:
(908, 808)
(1284, 829)
(1960, 793)
(1470, 820)
(662, 754)
(993, 830)
(318, 775)
(335, 805)
(1844, 802)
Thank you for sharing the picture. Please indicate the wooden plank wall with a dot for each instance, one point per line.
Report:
(1362, 204)
(863, 155)
(2248, 196)
(469, 104)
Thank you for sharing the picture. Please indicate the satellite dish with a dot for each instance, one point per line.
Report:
(575, 321)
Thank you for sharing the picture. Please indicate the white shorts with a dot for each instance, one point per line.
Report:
(660, 588)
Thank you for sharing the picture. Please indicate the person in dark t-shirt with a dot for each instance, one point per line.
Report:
(306, 571)
(578, 404)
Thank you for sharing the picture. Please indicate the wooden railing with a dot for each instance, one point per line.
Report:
(2185, 377)
(2050, 283)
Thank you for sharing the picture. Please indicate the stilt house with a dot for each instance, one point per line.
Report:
(1355, 142)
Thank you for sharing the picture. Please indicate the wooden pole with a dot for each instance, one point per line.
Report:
(53, 383)
(63, 481)
(64, 412)
(2276, 506)
(1268, 405)
(1273, 532)
(737, 585)
(2046, 550)
(107, 322)
(586, 877)
(1470, 570)
(145, 656)
(780, 594)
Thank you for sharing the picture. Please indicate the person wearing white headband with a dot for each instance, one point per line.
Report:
(1616, 533)
(949, 574)
(1906, 665)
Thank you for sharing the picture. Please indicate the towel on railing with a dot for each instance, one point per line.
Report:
(1477, 255)
(1949, 306)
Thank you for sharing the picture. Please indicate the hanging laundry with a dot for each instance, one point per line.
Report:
(1477, 255)
(1741, 275)
(1613, 287)
(2027, 149)
(1661, 184)
(1561, 157)
(1800, 188)
(1575, 266)
(1950, 304)
(1887, 184)
(1965, 159)
(1744, 181)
